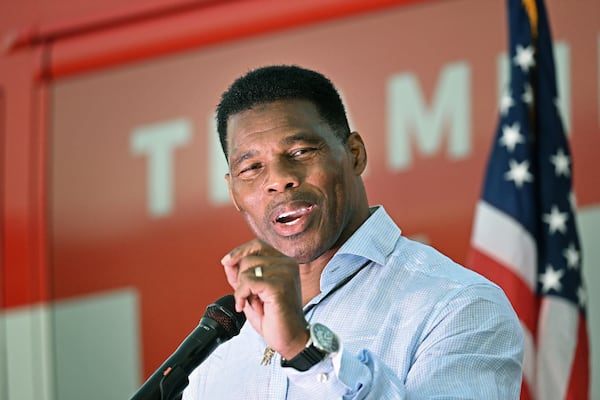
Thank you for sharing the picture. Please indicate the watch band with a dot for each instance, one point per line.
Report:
(322, 342)
(305, 359)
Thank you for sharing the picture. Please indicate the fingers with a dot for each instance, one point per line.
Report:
(232, 262)
(267, 288)
(253, 247)
(255, 276)
(258, 272)
(239, 266)
(253, 305)
(248, 287)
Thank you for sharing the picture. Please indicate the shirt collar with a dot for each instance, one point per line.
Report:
(373, 241)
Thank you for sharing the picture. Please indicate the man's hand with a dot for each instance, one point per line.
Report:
(272, 302)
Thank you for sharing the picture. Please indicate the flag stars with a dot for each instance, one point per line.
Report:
(506, 102)
(556, 220)
(561, 163)
(550, 279)
(572, 255)
(524, 57)
(518, 172)
(511, 136)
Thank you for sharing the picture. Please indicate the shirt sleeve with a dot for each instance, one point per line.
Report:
(471, 348)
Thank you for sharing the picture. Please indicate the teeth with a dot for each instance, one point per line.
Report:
(287, 218)
(292, 217)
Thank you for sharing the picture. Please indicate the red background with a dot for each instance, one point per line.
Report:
(84, 75)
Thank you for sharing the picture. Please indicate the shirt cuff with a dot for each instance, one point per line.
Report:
(340, 374)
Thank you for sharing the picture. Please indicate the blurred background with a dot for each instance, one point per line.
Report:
(114, 211)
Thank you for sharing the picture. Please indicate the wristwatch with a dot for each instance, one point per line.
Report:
(321, 343)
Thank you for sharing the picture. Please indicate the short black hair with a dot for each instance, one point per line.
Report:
(282, 82)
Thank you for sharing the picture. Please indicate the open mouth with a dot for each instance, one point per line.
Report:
(293, 218)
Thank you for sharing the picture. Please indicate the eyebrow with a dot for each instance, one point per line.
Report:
(286, 141)
(302, 137)
(242, 157)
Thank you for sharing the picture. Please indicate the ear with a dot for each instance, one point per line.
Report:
(228, 179)
(357, 149)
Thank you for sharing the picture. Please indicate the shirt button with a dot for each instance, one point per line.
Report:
(322, 377)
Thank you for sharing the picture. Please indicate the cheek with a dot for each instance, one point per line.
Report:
(334, 183)
(253, 213)
(247, 201)
(251, 203)
(325, 176)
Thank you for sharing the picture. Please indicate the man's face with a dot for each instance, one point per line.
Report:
(296, 183)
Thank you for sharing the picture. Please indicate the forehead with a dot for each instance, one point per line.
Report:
(273, 120)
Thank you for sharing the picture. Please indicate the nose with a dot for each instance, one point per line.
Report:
(283, 175)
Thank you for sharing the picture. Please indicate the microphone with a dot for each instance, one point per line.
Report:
(219, 324)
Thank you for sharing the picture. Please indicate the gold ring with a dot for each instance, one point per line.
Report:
(258, 272)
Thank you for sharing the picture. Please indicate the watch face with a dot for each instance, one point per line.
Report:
(324, 339)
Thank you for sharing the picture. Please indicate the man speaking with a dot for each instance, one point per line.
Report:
(338, 303)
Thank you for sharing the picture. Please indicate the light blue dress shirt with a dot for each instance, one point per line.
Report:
(413, 324)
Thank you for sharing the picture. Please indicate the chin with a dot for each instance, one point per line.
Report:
(301, 255)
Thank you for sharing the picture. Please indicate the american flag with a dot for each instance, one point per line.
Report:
(524, 234)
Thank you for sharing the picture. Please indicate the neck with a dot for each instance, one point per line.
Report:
(310, 273)
(310, 279)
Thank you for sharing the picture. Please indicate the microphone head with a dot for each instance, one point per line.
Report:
(223, 313)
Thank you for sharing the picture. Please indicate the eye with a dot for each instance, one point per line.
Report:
(249, 169)
(302, 152)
